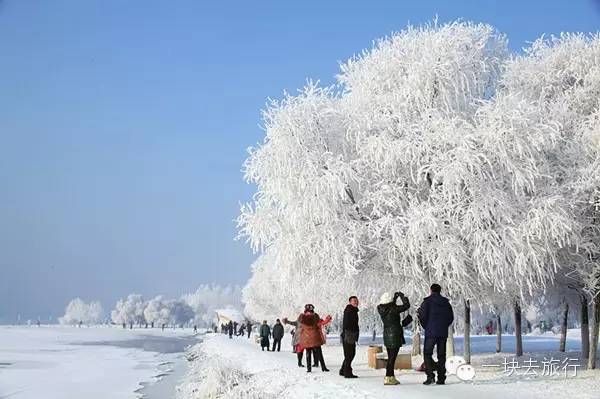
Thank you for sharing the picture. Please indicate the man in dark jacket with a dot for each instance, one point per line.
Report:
(350, 334)
(435, 316)
(277, 334)
(249, 328)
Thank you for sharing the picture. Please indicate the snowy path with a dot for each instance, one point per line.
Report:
(254, 373)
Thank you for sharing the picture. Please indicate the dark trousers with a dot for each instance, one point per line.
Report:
(299, 354)
(391, 361)
(276, 343)
(349, 353)
(440, 343)
(318, 353)
(264, 343)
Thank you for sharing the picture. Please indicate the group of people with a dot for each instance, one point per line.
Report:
(276, 333)
(435, 316)
(231, 328)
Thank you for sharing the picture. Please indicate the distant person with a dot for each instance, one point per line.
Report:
(435, 315)
(265, 334)
(195, 329)
(312, 336)
(235, 324)
(131, 325)
(152, 325)
(393, 331)
(163, 326)
(124, 326)
(249, 328)
(350, 334)
(215, 329)
(242, 330)
(230, 329)
(277, 335)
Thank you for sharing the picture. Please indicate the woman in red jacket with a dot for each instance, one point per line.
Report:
(312, 336)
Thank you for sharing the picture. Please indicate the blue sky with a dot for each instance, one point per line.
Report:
(124, 125)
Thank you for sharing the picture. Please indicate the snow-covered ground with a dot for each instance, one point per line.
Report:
(98, 362)
(237, 368)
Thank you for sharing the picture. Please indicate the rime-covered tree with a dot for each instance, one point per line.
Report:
(561, 75)
(129, 310)
(157, 311)
(415, 169)
(210, 297)
(77, 311)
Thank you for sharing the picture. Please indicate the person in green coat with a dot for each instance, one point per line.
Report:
(393, 332)
(265, 334)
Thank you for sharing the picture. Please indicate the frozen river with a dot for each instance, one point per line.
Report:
(98, 362)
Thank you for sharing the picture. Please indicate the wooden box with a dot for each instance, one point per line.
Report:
(403, 361)
(372, 352)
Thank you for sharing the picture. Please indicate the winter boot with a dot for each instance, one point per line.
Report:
(429, 381)
(390, 381)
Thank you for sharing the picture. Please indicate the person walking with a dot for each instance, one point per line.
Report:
(350, 334)
(435, 315)
(393, 332)
(312, 337)
(249, 328)
(230, 329)
(265, 334)
(277, 335)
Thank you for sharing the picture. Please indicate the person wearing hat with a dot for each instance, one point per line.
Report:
(393, 332)
(312, 337)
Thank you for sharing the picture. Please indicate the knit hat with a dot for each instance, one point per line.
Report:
(386, 297)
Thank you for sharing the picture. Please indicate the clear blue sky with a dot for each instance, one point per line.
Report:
(124, 125)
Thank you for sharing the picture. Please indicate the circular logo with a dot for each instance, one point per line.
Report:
(453, 362)
(465, 372)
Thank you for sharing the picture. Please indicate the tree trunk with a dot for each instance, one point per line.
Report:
(585, 328)
(518, 329)
(450, 342)
(498, 334)
(416, 344)
(467, 332)
(563, 330)
(594, 336)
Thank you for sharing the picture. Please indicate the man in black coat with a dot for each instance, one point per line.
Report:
(349, 337)
(249, 328)
(277, 334)
(435, 316)
(230, 329)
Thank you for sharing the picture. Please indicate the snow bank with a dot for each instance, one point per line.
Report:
(236, 368)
